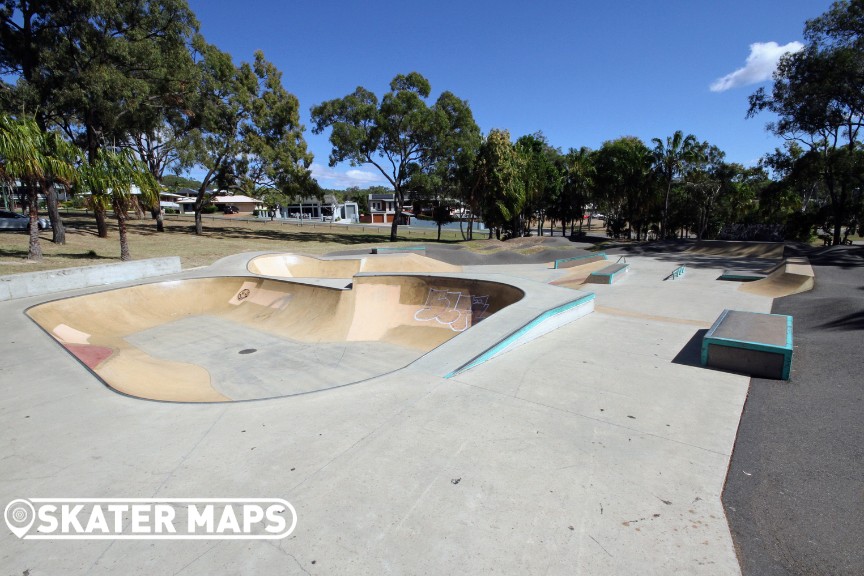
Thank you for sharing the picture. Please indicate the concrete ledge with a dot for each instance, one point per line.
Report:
(579, 260)
(399, 249)
(49, 281)
(607, 275)
(751, 343)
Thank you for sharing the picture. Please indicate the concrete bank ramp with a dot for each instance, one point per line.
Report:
(298, 266)
(578, 274)
(738, 249)
(792, 276)
(243, 338)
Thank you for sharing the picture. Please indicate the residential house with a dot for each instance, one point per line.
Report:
(245, 204)
(382, 210)
(328, 209)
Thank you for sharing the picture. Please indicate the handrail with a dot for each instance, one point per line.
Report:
(676, 273)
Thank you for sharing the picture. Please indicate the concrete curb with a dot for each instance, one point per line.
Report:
(28, 284)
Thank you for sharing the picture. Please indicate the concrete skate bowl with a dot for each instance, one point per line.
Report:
(298, 266)
(245, 338)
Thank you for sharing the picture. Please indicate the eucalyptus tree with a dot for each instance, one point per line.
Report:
(111, 180)
(705, 180)
(818, 98)
(33, 158)
(542, 180)
(99, 70)
(431, 191)
(441, 179)
(395, 134)
(789, 193)
(670, 159)
(498, 177)
(625, 183)
(796, 196)
(579, 173)
(277, 157)
(158, 149)
(246, 128)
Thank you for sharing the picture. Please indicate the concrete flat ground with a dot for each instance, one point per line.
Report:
(599, 448)
(273, 366)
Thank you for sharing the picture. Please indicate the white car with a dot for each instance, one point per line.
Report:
(17, 221)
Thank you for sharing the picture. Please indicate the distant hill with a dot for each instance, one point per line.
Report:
(173, 183)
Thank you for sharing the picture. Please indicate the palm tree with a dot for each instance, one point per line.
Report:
(110, 179)
(33, 157)
(669, 161)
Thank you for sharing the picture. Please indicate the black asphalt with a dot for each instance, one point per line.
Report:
(794, 493)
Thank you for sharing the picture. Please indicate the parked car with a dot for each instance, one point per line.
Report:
(230, 210)
(18, 221)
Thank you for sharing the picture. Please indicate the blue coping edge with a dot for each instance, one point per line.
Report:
(398, 249)
(510, 339)
(611, 275)
(562, 260)
(785, 350)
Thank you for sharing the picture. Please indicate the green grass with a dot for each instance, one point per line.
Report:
(222, 237)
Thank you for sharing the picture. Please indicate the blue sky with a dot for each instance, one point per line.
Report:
(580, 72)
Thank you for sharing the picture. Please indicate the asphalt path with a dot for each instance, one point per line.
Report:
(794, 493)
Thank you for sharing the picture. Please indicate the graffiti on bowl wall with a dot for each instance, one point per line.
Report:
(458, 310)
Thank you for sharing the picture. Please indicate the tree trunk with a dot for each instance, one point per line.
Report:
(199, 226)
(125, 256)
(101, 224)
(156, 213)
(59, 231)
(665, 219)
(35, 250)
(439, 232)
(397, 201)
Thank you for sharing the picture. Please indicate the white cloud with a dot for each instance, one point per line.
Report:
(330, 178)
(760, 65)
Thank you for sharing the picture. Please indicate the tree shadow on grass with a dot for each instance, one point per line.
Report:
(314, 234)
(13, 253)
(23, 253)
(89, 255)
